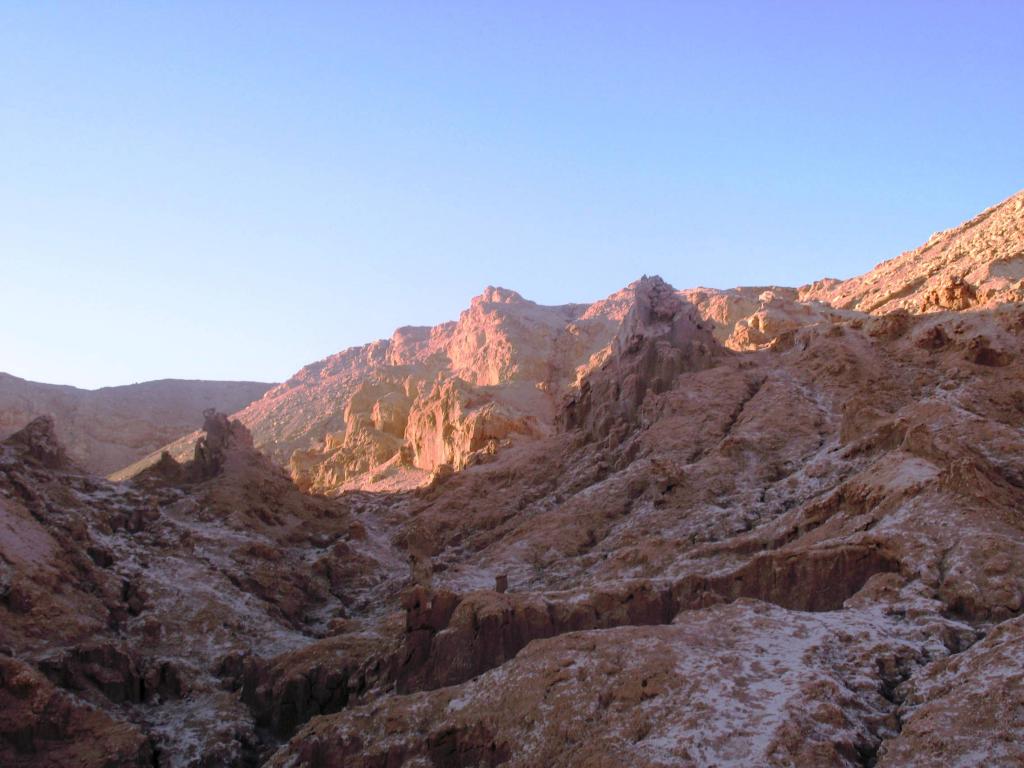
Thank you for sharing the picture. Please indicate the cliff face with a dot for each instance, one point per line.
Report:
(107, 429)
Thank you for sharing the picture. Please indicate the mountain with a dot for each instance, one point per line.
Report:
(749, 528)
(105, 429)
(397, 409)
(388, 414)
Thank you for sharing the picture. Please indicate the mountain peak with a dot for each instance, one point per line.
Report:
(497, 295)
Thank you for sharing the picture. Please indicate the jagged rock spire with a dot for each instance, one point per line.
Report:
(38, 441)
(661, 337)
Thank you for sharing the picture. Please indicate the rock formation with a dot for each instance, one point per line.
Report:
(392, 412)
(977, 264)
(660, 338)
(131, 616)
(390, 415)
(684, 528)
(775, 557)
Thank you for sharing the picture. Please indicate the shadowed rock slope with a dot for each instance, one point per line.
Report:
(106, 429)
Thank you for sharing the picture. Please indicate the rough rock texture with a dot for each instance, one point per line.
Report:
(743, 684)
(746, 319)
(771, 548)
(429, 398)
(42, 725)
(391, 414)
(106, 429)
(979, 263)
(967, 709)
(801, 548)
(660, 338)
(148, 606)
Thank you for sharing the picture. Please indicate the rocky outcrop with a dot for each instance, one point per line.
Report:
(455, 419)
(660, 338)
(956, 294)
(321, 678)
(37, 443)
(452, 638)
(505, 365)
(977, 264)
(814, 579)
(964, 706)
(389, 414)
(109, 670)
(211, 452)
(223, 440)
(106, 429)
(744, 682)
(123, 602)
(751, 318)
(42, 725)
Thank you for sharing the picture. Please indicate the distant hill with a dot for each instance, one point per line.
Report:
(108, 428)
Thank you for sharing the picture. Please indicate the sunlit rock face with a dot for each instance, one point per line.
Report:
(389, 414)
(670, 528)
(977, 264)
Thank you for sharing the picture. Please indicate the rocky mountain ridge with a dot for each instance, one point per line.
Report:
(389, 414)
(428, 398)
(977, 264)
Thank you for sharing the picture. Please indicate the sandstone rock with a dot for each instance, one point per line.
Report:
(660, 338)
(956, 293)
(455, 419)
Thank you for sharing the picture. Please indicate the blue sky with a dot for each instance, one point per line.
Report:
(232, 190)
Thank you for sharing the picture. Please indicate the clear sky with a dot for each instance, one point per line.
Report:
(232, 190)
